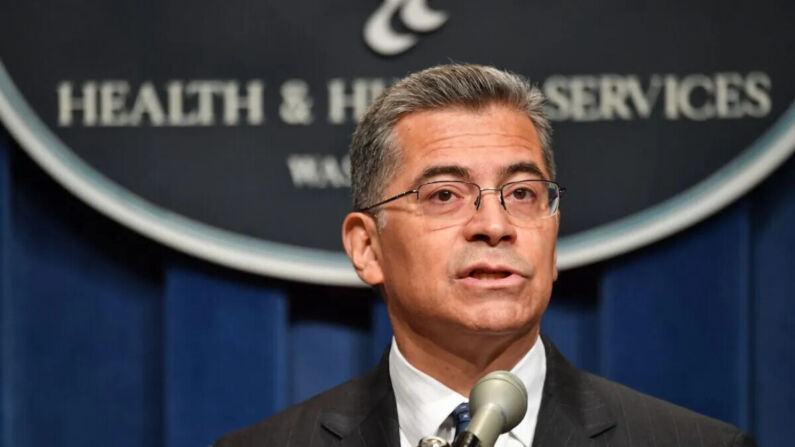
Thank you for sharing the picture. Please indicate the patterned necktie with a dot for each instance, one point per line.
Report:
(460, 418)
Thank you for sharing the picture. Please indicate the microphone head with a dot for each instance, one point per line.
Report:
(504, 390)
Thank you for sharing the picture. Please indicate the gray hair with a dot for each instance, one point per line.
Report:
(374, 155)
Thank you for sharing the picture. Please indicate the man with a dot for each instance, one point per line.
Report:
(456, 220)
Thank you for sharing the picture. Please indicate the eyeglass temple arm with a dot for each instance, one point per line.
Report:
(403, 194)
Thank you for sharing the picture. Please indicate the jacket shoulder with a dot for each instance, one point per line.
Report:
(646, 420)
(303, 423)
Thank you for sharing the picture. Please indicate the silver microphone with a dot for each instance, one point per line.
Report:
(497, 403)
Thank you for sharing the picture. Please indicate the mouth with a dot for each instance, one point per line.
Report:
(481, 274)
(490, 276)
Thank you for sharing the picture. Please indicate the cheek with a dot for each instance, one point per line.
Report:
(403, 257)
(415, 281)
(416, 246)
(418, 262)
(540, 241)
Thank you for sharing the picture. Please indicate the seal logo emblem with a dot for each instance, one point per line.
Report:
(414, 14)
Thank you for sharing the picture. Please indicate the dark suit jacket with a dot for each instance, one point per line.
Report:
(577, 409)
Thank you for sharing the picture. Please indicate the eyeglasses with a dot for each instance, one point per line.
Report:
(451, 200)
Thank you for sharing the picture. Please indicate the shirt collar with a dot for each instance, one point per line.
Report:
(423, 402)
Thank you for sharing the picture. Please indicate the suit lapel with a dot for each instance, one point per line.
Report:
(373, 421)
(571, 412)
(379, 429)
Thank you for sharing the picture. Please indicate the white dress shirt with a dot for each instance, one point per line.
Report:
(424, 404)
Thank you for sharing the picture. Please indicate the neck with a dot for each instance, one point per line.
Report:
(461, 360)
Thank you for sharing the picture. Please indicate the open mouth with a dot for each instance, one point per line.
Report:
(488, 274)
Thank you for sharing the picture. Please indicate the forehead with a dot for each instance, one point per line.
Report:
(483, 141)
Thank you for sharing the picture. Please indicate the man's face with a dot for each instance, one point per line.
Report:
(487, 274)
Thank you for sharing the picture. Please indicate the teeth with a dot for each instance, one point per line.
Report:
(479, 274)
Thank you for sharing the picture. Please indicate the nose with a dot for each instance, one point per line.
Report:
(491, 223)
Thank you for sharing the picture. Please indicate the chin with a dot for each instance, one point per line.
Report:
(500, 320)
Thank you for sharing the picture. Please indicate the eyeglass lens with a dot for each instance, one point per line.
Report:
(454, 200)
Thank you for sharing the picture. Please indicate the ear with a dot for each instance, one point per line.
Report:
(360, 239)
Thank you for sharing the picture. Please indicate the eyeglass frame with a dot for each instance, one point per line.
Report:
(416, 191)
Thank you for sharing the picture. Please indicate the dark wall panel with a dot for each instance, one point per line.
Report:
(674, 318)
(774, 308)
(325, 355)
(80, 325)
(5, 294)
(570, 320)
(225, 355)
(382, 330)
(331, 337)
(573, 330)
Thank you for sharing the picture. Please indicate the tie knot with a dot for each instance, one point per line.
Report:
(461, 418)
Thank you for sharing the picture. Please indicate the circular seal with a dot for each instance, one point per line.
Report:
(222, 130)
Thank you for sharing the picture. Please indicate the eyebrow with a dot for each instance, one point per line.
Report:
(527, 167)
(435, 171)
(460, 172)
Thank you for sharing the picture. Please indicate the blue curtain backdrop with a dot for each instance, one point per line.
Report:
(111, 339)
